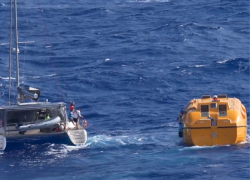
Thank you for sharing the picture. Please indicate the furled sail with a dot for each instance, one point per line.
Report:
(27, 93)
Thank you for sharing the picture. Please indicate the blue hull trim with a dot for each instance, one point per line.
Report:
(20, 142)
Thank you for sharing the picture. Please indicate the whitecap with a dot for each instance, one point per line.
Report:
(196, 147)
(52, 74)
(215, 165)
(199, 66)
(223, 61)
(36, 77)
(6, 78)
(110, 141)
(147, 1)
(78, 147)
(59, 152)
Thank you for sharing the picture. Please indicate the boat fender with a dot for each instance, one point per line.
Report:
(84, 123)
(62, 127)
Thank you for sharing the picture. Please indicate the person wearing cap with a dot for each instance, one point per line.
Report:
(215, 98)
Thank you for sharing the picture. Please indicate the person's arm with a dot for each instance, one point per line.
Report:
(79, 114)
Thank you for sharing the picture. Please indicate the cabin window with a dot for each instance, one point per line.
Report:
(1, 119)
(222, 110)
(16, 117)
(213, 105)
(32, 116)
(204, 110)
(41, 114)
(2, 114)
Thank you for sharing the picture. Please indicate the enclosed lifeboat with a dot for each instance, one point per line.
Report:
(213, 121)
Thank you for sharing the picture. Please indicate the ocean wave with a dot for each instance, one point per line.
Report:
(147, 1)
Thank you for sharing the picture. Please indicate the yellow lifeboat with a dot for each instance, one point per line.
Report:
(213, 121)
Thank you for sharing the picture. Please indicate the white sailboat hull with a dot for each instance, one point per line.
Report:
(77, 136)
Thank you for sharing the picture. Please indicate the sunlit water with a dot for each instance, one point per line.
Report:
(130, 66)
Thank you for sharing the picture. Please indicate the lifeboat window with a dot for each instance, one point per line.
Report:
(205, 96)
(222, 96)
(222, 110)
(213, 105)
(204, 110)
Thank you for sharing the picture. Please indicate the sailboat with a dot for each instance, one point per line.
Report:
(26, 122)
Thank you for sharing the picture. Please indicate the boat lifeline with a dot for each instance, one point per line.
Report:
(213, 121)
(34, 122)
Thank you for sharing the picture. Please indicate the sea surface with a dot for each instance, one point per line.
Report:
(131, 66)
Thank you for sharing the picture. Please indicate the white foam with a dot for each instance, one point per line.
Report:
(196, 147)
(59, 152)
(107, 141)
(199, 66)
(36, 77)
(52, 74)
(148, 1)
(6, 78)
(223, 61)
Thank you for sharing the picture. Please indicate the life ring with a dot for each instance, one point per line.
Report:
(84, 123)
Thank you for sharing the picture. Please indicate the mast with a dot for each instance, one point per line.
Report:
(16, 40)
(10, 49)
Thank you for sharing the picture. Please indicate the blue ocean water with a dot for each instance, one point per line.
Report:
(130, 65)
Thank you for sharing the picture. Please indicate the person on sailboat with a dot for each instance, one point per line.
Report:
(47, 116)
(76, 116)
(71, 107)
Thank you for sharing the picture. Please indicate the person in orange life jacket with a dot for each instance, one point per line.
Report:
(76, 115)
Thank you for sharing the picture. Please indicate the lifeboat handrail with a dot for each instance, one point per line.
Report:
(203, 119)
(224, 119)
(191, 105)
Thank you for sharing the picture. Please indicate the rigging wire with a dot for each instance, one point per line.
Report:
(3, 17)
(10, 50)
(2, 33)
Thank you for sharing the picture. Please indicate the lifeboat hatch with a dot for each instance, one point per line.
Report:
(214, 134)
